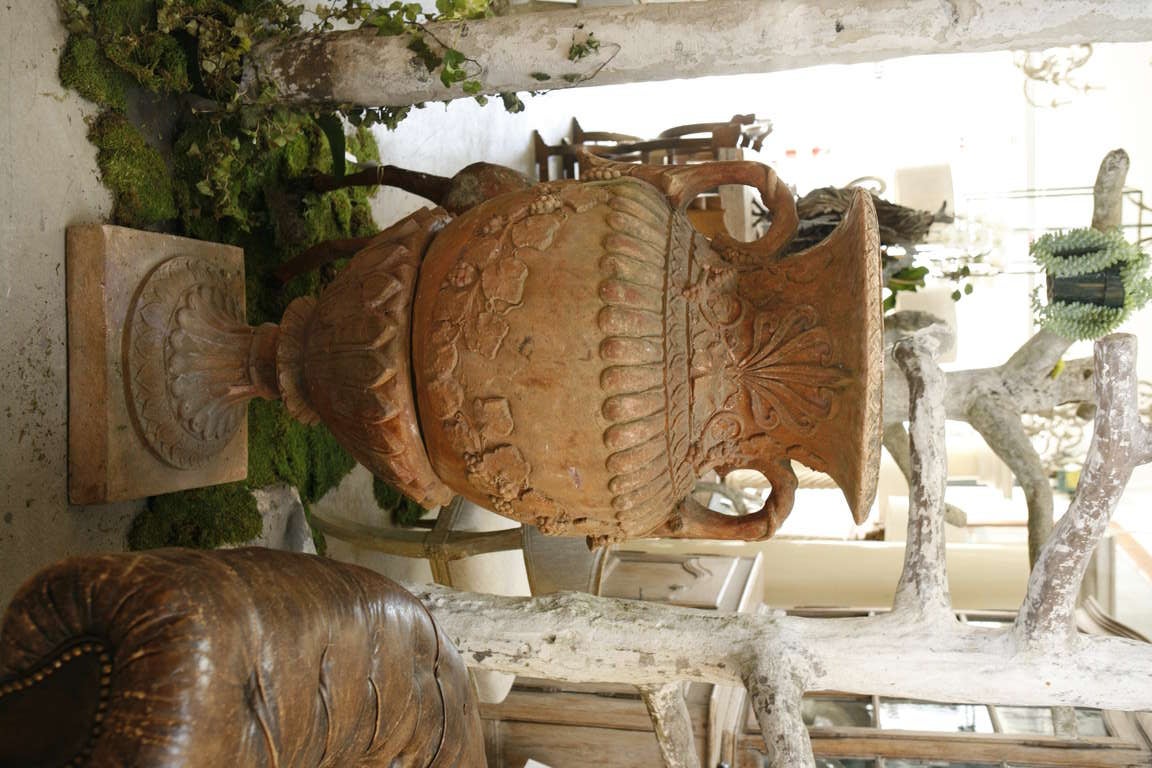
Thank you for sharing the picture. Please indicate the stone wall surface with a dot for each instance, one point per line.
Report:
(48, 180)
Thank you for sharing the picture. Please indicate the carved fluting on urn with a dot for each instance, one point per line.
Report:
(645, 379)
(804, 366)
(344, 359)
(193, 362)
(622, 355)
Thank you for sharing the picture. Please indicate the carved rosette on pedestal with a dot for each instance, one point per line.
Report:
(573, 355)
(193, 361)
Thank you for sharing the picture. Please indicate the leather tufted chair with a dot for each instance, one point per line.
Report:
(234, 658)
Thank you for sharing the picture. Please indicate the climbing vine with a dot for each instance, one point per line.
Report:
(437, 55)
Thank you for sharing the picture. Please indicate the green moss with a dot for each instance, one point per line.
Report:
(134, 172)
(203, 518)
(318, 539)
(281, 449)
(85, 69)
(238, 177)
(363, 147)
(402, 510)
(156, 61)
(329, 215)
(122, 17)
(124, 37)
(341, 206)
(295, 156)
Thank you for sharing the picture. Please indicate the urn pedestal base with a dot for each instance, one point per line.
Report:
(108, 271)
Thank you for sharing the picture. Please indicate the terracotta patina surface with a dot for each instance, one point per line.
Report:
(344, 358)
(582, 355)
(573, 354)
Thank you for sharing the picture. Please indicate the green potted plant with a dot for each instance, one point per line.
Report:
(1095, 281)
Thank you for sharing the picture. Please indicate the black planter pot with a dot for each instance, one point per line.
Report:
(1104, 289)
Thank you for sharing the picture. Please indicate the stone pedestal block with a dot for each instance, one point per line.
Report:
(124, 300)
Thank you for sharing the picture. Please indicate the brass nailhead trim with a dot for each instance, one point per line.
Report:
(105, 684)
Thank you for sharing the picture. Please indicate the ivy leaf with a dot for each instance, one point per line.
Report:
(453, 58)
(907, 279)
(452, 72)
(386, 21)
(587, 47)
(419, 46)
(462, 9)
(512, 102)
(472, 87)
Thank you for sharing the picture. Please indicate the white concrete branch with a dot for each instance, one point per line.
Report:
(586, 639)
(895, 441)
(917, 651)
(992, 399)
(666, 41)
(923, 587)
(1025, 379)
(669, 712)
(776, 694)
(1000, 426)
(1047, 618)
(1107, 198)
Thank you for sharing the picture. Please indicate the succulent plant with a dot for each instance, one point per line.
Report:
(1086, 252)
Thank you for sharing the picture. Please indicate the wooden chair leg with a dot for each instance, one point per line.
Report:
(568, 163)
(439, 547)
(542, 155)
(577, 132)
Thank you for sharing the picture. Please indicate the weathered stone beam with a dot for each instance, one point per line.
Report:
(676, 40)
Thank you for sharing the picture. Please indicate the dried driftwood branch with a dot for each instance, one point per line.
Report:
(1040, 661)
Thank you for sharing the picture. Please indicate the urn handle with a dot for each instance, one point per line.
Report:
(693, 520)
(682, 183)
